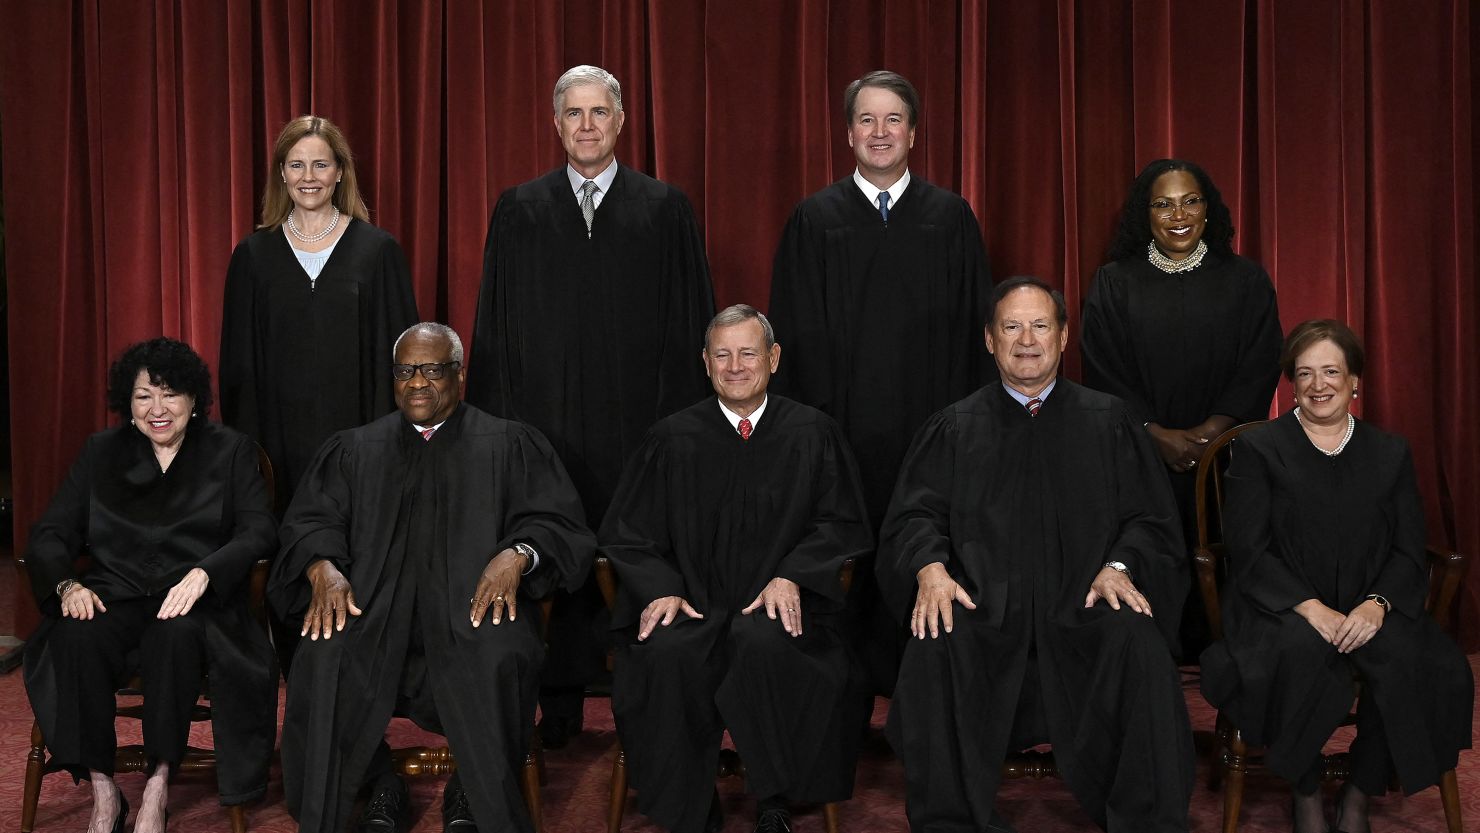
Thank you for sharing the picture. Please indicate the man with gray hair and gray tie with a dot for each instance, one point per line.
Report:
(595, 285)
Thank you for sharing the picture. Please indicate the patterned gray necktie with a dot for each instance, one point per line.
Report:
(588, 204)
(884, 206)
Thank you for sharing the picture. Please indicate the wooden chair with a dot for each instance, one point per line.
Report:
(729, 760)
(131, 758)
(427, 761)
(1234, 756)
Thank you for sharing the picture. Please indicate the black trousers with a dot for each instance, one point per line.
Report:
(93, 657)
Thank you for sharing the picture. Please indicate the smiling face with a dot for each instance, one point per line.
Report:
(1178, 212)
(159, 412)
(1324, 388)
(880, 135)
(311, 171)
(1026, 339)
(740, 366)
(588, 123)
(423, 402)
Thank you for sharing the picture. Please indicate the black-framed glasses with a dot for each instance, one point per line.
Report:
(431, 371)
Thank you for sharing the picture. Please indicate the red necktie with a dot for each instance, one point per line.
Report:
(426, 433)
(1033, 405)
(745, 429)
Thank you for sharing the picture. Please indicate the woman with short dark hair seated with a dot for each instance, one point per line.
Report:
(173, 513)
(1327, 575)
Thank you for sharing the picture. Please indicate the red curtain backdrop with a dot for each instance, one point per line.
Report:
(136, 139)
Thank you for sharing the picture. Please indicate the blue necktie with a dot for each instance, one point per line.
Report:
(884, 206)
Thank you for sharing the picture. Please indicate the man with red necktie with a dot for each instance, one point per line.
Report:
(727, 532)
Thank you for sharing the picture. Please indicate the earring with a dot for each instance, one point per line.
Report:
(1354, 393)
(193, 414)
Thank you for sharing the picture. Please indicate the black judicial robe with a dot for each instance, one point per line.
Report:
(1023, 512)
(703, 514)
(1302, 525)
(1180, 348)
(591, 340)
(412, 524)
(144, 530)
(300, 361)
(861, 308)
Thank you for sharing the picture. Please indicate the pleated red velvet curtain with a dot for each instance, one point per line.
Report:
(1341, 132)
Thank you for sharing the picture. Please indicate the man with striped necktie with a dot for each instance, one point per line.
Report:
(1029, 538)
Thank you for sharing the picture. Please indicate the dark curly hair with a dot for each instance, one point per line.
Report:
(171, 364)
(1134, 231)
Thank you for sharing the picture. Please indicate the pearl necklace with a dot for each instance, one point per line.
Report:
(1351, 425)
(1172, 267)
(312, 238)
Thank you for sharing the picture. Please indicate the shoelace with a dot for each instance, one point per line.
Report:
(773, 821)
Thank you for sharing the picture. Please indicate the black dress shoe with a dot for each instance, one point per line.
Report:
(457, 817)
(556, 730)
(773, 821)
(386, 809)
(998, 824)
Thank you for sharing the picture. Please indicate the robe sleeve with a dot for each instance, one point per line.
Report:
(971, 307)
(316, 526)
(1403, 580)
(635, 535)
(1250, 389)
(917, 527)
(542, 508)
(237, 370)
(798, 312)
(487, 384)
(1109, 365)
(839, 528)
(254, 532)
(394, 311)
(59, 536)
(1149, 541)
(1257, 568)
(690, 304)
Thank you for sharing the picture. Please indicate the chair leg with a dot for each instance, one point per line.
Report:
(830, 816)
(1234, 753)
(619, 791)
(1449, 791)
(238, 814)
(32, 794)
(530, 781)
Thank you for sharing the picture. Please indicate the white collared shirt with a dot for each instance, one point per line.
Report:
(871, 191)
(734, 418)
(603, 181)
(1023, 398)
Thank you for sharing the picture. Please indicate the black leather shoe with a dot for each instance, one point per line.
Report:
(556, 730)
(386, 809)
(773, 821)
(457, 817)
(998, 824)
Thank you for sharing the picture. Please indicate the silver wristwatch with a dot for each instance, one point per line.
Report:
(1119, 567)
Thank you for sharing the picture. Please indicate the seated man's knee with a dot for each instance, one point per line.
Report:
(178, 633)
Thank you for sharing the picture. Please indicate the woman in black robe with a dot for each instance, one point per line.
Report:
(1328, 575)
(1182, 329)
(315, 298)
(173, 513)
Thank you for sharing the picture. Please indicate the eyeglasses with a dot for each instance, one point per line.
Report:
(1191, 206)
(431, 371)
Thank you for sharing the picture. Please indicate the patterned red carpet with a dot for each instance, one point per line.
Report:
(577, 791)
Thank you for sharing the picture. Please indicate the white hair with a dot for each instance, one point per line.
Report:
(582, 75)
(739, 314)
(431, 329)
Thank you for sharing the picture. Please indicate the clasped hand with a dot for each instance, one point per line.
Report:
(1348, 632)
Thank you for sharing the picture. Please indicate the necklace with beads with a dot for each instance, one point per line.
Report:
(312, 238)
(1351, 425)
(1172, 267)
